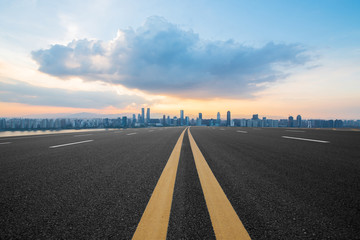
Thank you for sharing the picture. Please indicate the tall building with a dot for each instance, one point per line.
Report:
(198, 122)
(142, 115)
(291, 121)
(187, 121)
(255, 117)
(139, 118)
(175, 121)
(218, 119)
(200, 116)
(228, 118)
(181, 117)
(148, 115)
(164, 120)
(124, 122)
(263, 122)
(338, 123)
(298, 121)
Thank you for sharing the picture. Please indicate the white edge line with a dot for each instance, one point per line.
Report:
(131, 133)
(5, 143)
(306, 139)
(67, 144)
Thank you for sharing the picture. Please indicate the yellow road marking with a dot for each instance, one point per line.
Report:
(155, 219)
(224, 219)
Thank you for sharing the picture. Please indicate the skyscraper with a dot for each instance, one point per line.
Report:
(291, 121)
(181, 117)
(175, 121)
(124, 122)
(298, 121)
(133, 121)
(164, 120)
(218, 119)
(200, 116)
(228, 118)
(142, 115)
(148, 115)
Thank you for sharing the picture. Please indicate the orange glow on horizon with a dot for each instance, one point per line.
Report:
(275, 109)
(23, 110)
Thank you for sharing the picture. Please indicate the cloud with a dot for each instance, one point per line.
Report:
(161, 58)
(20, 92)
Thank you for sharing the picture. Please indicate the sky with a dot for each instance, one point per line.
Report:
(272, 58)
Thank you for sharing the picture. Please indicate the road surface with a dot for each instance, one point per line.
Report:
(261, 183)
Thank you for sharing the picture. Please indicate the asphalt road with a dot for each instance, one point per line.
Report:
(281, 183)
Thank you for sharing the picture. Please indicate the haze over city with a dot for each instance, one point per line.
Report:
(275, 58)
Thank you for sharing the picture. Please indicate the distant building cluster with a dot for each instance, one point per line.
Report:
(146, 121)
(60, 123)
(255, 121)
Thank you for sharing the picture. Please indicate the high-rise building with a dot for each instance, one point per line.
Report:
(298, 121)
(198, 122)
(187, 121)
(142, 115)
(148, 115)
(124, 122)
(181, 117)
(338, 123)
(263, 123)
(200, 116)
(175, 121)
(218, 119)
(228, 118)
(133, 121)
(139, 118)
(164, 120)
(255, 117)
(291, 121)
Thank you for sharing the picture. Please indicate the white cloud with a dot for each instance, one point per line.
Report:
(161, 58)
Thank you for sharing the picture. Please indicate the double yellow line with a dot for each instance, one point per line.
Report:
(155, 219)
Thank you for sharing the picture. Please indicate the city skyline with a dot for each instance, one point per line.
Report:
(142, 116)
(272, 58)
(167, 121)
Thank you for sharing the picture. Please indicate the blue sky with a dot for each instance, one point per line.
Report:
(268, 57)
(311, 22)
